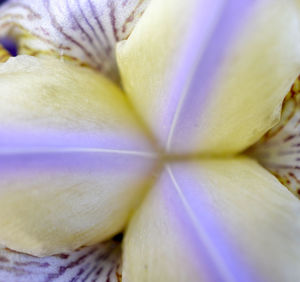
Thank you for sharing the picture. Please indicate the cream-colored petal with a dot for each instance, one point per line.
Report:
(84, 31)
(214, 220)
(64, 104)
(74, 161)
(202, 72)
(100, 263)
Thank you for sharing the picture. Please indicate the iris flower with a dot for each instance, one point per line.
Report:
(160, 119)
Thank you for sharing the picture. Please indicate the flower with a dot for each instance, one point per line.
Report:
(158, 151)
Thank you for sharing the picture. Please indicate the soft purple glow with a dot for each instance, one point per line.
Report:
(203, 231)
(62, 166)
(15, 138)
(195, 75)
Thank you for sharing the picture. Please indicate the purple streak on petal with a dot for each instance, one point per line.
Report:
(195, 76)
(68, 176)
(19, 167)
(223, 260)
(194, 40)
(185, 229)
(15, 138)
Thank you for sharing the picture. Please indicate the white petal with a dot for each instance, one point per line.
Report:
(215, 220)
(84, 30)
(100, 263)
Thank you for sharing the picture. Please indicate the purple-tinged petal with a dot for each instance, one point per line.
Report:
(74, 161)
(209, 76)
(83, 30)
(279, 149)
(99, 263)
(214, 220)
(49, 103)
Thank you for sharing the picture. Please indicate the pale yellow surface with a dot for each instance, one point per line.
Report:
(49, 94)
(54, 196)
(257, 220)
(261, 64)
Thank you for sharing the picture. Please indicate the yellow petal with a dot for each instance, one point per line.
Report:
(214, 220)
(74, 162)
(4, 55)
(200, 73)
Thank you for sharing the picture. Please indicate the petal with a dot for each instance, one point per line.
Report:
(199, 72)
(215, 220)
(84, 30)
(96, 263)
(74, 161)
(279, 149)
(4, 55)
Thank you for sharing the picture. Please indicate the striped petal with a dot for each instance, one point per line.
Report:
(96, 263)
(215, 220)
(199, 72)
(82, 30)
(74, 161)
(279, 149)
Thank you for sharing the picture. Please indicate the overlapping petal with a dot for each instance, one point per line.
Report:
(74, 160)
(199, 72)
(84, 30)
(279, 148)
(214, 220)
(96, 263)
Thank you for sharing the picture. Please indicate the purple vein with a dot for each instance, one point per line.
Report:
(100, 26)
(60, 29)
(84, 32)
(89, 24)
